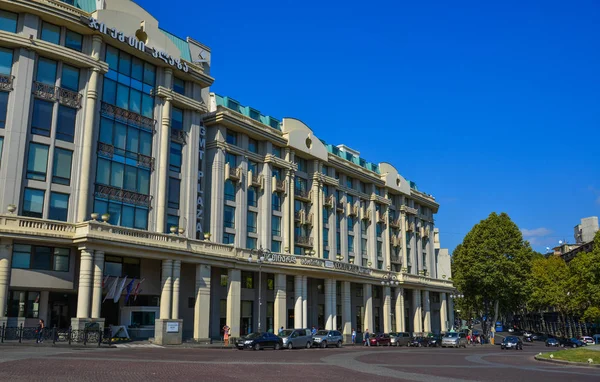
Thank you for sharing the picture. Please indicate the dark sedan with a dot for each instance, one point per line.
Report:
(511, 342)
(380, 340)
(434, 341)
(572, 343)
(259, 341)
(418, 342)
(552, 342)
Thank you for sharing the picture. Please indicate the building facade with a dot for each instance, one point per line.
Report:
(129, 174)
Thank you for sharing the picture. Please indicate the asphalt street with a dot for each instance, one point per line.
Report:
(151, 363)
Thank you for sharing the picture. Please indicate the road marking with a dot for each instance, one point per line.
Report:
(146, 346)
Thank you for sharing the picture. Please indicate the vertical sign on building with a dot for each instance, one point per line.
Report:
(200, 189)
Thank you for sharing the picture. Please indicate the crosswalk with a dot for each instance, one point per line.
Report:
(138, 346)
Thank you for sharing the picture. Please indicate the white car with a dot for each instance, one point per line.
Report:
(588, 340)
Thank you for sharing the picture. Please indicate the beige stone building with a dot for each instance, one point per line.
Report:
(117, 163)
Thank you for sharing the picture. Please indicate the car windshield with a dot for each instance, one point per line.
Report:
(286, 333)
(322, 333)
(452, 335)
(511, 339)
(252, 336)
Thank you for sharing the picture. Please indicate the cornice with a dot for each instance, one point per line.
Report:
(229, 118)
(180, 100)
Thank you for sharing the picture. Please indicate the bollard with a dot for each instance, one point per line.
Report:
(2, 334)
(54, 335)
(20, 329)
(99, 337)
(70, 333)
(85, 334)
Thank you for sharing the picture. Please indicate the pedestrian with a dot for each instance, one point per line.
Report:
(280, 330)
(226, 335)
(353, 337)
(313, 331)
(40, 331)
(367, 342)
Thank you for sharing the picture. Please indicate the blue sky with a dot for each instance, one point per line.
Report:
(489, 107)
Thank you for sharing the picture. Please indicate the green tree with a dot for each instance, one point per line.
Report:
(584, 282)
(491, 265)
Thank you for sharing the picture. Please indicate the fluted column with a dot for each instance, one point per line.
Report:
(399, 308)
(298, 293)
(176, 281)
(163, 169)
(427, 311)
(304, 301)
(166, 283)
(328, 307)
(387, 309)
(346, 310)
(443, 313)
(85, 283)
(417, 316)
(368, 303)
(280, 307)
(451, 312)
(217, 199)
(97, 289)
(234, 301)
(202, 304)
(5, 265)
(88, 135)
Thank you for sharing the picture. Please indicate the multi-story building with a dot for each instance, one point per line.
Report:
(127, 168)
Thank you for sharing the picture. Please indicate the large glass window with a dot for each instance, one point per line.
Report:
(50, 33)
(46, 71)
(125, 214)
(231, 137)
(122, 266)
(6, 61)
(69, 78)
(24, 304)
(61, 168)
(65, 125)
(74, 40)
(176, 118)
(1, 149)
(174, 193)
(228, 238)
(41, 121)
(3, 108)
(37, 162)
(8, 21)
(252, 145)
(252, 197)
(276, 201)
(231, 159)
(229, 190)
(276, 246)
(229, 217)
(59, 206)
(252, 221)
(128, 141)
(33, 202)
(178, 85)
(276, 226)
(175, 157)
(172, 221)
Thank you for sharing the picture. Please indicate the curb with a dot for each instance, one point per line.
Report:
(65, 346)
(561, 362)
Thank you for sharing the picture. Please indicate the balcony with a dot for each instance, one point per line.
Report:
(127, 116)
(340, 206)
(54, 93)
(380, 217)
(309, 219)
(365, 214)
(255, 179)
(329, 201)
(178, 136)
(121, 195)
(352, 210)
(278, 185)
(395, 223)
(396, 259)
(426, 232)
(301, 193)
(410, 227)
(299, 216)
(6, 82)
(304, 241)
(232, 173)
(108, 151)
(409, 210)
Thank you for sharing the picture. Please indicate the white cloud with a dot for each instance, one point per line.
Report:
(536, 232)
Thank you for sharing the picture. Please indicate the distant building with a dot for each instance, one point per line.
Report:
(584, 239)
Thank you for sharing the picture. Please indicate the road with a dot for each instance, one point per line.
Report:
(487, 363)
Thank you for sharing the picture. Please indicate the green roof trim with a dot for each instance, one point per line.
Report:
(181, 44)
(86, 5)
(248, 111)
(352, 158)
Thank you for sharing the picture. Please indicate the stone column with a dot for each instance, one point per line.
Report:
(280, 305)
(5, 261)
(304, 301)
(176, 281)
(417, 317)
(217, 195)
(288, 214)
(202, 305)
(97, 289)
(85, 284)
(163, 168)
(372, 232)
(265, 208)
(399, 307)
(427, 311)
(166, 289)
(443, 313)
(88, 135)
(328, 307)
(334, 305)
(368, 303)
(298, 293)
(347, 310)
(43, 309)
(234, 301)
(451, 312)
(387, 309)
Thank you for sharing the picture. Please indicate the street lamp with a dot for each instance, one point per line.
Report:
(262, 255)
(390, 279)
(454, 295)
(339, 257)
(309, 252)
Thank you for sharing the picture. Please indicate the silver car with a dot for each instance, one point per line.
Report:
(454, 340)
(399, 339)
(296, 338)
(325, 338)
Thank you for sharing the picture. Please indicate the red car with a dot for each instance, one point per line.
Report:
(380, 339)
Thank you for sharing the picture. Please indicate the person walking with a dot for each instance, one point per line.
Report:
(367, 342)
(40, 332)
(353, 337)
(313, 331)
(226, 335)
(280, 330)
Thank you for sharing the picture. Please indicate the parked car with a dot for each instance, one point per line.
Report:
(434, 341)
(296, 338)
(552, 342)
(454, 340)
(418, 342)
(539, 337)
(259, 341)
(399, 339)
(527, 334)
(325, 338)
(587, 339)
(511, 342)
(571, 343)
(381, 339)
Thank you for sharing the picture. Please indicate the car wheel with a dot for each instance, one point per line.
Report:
(240, 348)
(419, 345)
(290, 346)
(324, 344)
(257, 347)
(308, 345)
(574, 346)
(408, 344)
(339, 344)
(277, 346)
(378, 344)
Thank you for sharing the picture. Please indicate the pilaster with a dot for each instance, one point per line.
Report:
(399, 309)
(163, 167)
(234, 301)
(217, 198)
(368, 304)
(298, 295)
(280, 313)
(166, 289)
(347, 311)
(85, 283)
(443, 313)
(97, 288)
(176, 282)
(387, 309)
(5, 266)
(427, 311)
(417, 315)
(202, 304)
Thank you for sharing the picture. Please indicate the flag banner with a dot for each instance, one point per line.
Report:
(104, 281)
(120, 289)
(111, 289)
(137, 289)
(129, 289)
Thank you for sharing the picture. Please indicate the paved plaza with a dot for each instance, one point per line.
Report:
(151, 363)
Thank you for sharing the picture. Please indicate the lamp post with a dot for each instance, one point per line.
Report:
(454, 295)
(310, 252)
(262, 255)
(339, 257)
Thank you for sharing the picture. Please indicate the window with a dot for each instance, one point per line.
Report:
(41, 121)
(174, 191)
(6, 60)
(302, 167)
(229, 190)
(39, 257)
(276, 246)
(276, 226)
(325, 216)
(23, 304)
(276, 172)
(362, 187)
(253, 166)
(326, 254)
(74, 40)
(8, 22)
(50, 33)
(276, 201)
(277, 151)
(223, 279)
(231, 159)
(175, 157)
(363, 246)
(350, 243)
(247, 280)
(37, 162)
(46, 71)
(229, 217)
(3, 109)
(228, 238)
(176, 118)
(350, 222)
(379, 249)
(379, 229)
(349, 182)
(59, 206)
(252, 220)
(325, 170)
(378, 191)
(33, 203)
(231, 137)
(252, 197)
(252, 145)
(325, 237)
(251, 242)
(172, 221)
(1, 149)
(69, 78)
(61, 168)
(178, 85)
(270, 281)
(139, 319)
(122, 266)
(65, 125)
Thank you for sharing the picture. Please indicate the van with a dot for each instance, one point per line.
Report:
(400, 339)
(296, 338)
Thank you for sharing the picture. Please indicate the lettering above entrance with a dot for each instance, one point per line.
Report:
(319, 263)
(134, 42)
